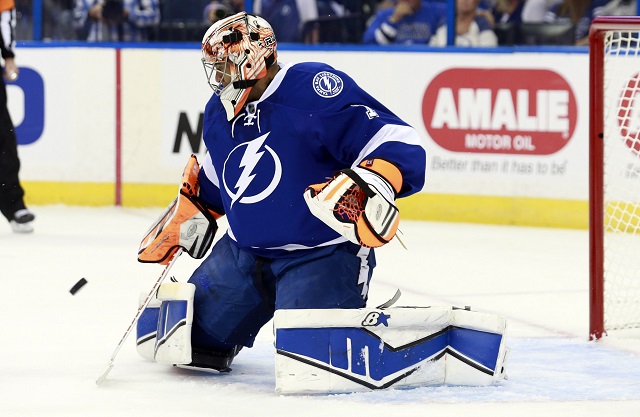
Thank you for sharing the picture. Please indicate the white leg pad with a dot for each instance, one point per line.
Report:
(476, 355)
(147, 326)
(173, 343)
(333, 351)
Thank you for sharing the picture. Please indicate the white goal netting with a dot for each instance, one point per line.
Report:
(621, 180)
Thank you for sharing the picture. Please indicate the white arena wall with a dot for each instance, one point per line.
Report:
(506, 132)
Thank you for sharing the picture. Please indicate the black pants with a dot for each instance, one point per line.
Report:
(11, 193)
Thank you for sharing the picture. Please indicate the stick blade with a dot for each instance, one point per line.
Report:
(103, 377)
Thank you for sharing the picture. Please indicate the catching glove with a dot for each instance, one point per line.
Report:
(187, 223)
(358, 203)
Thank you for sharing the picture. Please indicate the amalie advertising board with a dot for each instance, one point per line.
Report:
(500, 111)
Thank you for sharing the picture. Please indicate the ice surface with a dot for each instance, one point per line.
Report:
(54, 345)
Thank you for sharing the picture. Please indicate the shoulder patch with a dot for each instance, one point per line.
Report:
(327, 84)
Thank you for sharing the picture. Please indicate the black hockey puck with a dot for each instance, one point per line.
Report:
(77, 286)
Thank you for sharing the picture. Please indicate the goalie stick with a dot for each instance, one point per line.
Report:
(144, 305)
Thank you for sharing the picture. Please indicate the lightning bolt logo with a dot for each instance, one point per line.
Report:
(250, 159)
(327, 84)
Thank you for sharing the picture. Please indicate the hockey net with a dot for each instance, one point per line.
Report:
(614, 230)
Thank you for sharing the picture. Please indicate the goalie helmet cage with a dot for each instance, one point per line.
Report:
(614, 174)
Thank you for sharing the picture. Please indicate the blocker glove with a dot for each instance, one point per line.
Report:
(187, 223)
(358, 203)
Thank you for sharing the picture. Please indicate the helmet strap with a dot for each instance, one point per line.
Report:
(244, 84)
(268, 61)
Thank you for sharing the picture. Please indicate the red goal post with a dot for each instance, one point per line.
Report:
(614, 174)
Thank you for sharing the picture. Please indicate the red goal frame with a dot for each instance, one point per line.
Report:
(599, 27)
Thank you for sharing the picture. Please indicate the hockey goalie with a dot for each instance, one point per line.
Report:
(306, 166)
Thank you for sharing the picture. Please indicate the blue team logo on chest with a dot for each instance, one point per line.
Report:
(327, 84)
(251, 172)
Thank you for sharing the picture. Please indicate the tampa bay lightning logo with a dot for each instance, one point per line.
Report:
(327, 84)
(253, 170)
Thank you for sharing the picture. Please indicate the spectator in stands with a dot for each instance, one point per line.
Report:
(339, 21)
(473, 27)
(287, 16)
(535, 11)
(57, 19)
(620, 8)
(215, 11)
(385, 4)
(236, 6)
(580, 13)
(57, 22)
(113, 20)
(508, 11)
(408, 22)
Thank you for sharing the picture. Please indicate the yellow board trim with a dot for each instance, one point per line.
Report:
(148, 195)
(521, 211)
(69, 193)
(98, 194)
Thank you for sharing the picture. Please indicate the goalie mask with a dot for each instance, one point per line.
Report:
(236, 53)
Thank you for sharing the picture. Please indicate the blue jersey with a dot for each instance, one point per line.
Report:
(311, 121)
